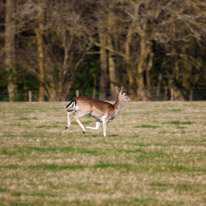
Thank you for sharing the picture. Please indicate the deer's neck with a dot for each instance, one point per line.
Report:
(118, 105)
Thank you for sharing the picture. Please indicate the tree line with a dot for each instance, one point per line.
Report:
(55, 46)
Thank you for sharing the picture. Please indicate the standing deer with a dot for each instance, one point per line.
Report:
(102, 111)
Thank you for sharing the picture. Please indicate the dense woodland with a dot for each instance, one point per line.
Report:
(156, 49)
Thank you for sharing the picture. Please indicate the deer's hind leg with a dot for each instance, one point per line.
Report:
(68, 119)
(94, 128)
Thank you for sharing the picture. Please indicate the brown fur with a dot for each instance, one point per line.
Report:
(96, 108)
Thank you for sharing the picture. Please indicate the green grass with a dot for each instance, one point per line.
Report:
(2, 189)
(54, 167)
(29, 150)
(154, 154)
(185, 187)
(26, 118)
(146, 126)
(176, 122)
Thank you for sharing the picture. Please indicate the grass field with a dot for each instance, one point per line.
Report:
(154, 154)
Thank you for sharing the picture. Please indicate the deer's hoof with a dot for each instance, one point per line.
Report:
(66, 127)
(83, 132)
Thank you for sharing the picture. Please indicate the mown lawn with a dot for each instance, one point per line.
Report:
(154, 154)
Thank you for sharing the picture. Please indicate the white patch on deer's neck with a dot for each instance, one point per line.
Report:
(118, 108)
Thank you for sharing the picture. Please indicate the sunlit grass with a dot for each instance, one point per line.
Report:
(154, 154)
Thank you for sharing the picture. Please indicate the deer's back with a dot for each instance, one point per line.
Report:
(96, 108)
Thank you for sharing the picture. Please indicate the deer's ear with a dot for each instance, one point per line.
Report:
(122, 89)
(117, 89)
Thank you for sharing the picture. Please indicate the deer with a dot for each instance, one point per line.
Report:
(103, 112)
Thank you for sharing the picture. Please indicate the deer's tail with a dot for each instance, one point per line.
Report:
(72, 104)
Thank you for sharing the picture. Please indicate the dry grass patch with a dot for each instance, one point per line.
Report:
(154, 154)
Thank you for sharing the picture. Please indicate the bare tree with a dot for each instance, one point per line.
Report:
(105, 19)
(162, 22)
(18, 16)
(69, 46)
(10, 49)
(180, 29)
(61, 44)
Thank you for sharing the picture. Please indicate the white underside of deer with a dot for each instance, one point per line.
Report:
(102, 111)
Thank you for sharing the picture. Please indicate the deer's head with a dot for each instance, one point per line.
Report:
(122, 95)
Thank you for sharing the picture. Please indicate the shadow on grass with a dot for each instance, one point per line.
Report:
(75, 167)
(146, 126)
(29, 150)
(125, 167)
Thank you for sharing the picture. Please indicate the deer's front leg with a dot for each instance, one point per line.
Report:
(80, 124)
(104, 122)
(95, 128)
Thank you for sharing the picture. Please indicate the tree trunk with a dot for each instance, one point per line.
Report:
(94, 87)
(141, 92)
(10, 51)
(178, 96)
(143, 70)
(103, 65)
(165, 93)
(129, 67)
(191, 95)
(148, 80)
(177, 93)
(64, 86)
(171, 94)
(65, 90)
(112, 77)
(158, 86)
(39, 35)
(112, 73)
